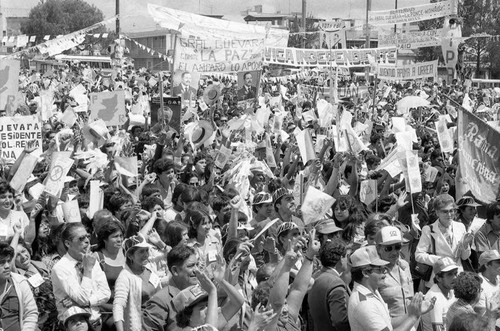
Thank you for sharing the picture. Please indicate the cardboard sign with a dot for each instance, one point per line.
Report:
(54, 182)
(108, 106)
(15, 134)
(9, 76)
(24, 171)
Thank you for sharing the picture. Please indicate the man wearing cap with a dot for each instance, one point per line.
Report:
(397, 290)
(329, 295)
(445, 271)
(489, 268)
(327, 231)
(467, 210)
(367, 310)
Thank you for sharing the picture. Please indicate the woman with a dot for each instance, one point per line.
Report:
(76, 319)
(112, 260)
(10, 218)
(343, 208)
(39, 279)
(134, 286)
(445, 237)
(42, 241)
(56, 248)
(176, 233)
(18, 307)
(201, 236)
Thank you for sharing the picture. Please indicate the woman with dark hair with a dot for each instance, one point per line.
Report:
(201, 236)
(39, 279)
(176, 233)
(467, 290)
(343, 208)
(10, 218)
(111, 259)
(56, 248)
(42, 240)
(18, 307)
(134, 286)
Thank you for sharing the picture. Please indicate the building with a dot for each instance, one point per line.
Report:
(161, 41)
(11, 20)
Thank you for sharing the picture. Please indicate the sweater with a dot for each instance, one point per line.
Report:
(28, 312)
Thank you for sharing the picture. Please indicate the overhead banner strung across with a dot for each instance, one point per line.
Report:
(413, 14)
(411, 40)
(219, 55)
(322, 57)
(209, 28)
(408, 72)
(479, 157)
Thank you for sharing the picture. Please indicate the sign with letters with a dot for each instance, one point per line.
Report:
(413, 14)
(15, 134)
(108, 106)
(478, 156)
(408, 72)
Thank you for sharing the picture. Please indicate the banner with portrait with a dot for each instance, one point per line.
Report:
(479, 156)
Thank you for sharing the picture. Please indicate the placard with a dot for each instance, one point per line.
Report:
(408, 72)
(15, 134)
(9, 80)
(108, 106)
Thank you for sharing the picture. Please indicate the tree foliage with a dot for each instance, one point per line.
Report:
(55, 17)
(296, 40)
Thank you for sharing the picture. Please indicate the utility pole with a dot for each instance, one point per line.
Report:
(396, 8)
(117, 6)
(304, 23)
(367, 45)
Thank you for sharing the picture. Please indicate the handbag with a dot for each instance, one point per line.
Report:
(422, 270)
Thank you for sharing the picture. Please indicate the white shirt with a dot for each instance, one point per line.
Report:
(66, 284)
(7, 225)
(367, 311)
(437, 316)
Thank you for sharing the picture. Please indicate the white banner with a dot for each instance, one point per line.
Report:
(408, 72)
(412, 14)
(209, 28)
(15, 134)
(411, 40)
(324, 57)
(218, 55)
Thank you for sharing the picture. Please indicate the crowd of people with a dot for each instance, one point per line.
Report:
(194, 243)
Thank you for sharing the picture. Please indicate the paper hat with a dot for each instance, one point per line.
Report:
(327, 226)
(261, 198)
(444, 264)
(489, 256)
(74, 311)
(211, 94)
(135, 242)
(200, 133)
(389, 235)
(365, 256)
(188, 297)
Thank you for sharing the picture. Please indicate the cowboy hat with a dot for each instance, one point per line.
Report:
(211, 94)
(199, 132)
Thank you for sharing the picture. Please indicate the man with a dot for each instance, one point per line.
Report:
(284, 206)
(489, 268)
(397, 290)
(487, 236)
(247, 91)
(76, 278)
(329, 295)
(159, 314)
(445, 270)
(328, 231)
(184, 89)
(367, 310)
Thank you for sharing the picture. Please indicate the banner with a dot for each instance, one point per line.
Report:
(15, 134)
(218, 55)
(479, 158)
(449, 48)
(412, 14)
(108, 106)
(323, 57)
(335, 39)
(408, 72)
(209, 28)
(411, 40)
(9, 80)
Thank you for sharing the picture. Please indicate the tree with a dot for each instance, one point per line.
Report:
(55, 17)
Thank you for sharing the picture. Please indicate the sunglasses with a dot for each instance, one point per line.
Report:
(83, 238)
(379, 270)
(391, 247)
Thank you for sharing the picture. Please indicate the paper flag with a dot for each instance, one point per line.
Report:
(126, 165)
(71, 212)
(96, 198)
(315, 205)
(24, 171)
(306, 147)
(368, 191)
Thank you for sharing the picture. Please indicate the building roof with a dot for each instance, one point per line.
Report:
(263, 17)
(152, 33)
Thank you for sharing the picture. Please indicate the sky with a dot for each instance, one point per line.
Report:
(135, 16)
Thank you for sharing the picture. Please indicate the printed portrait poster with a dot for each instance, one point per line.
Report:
(172, 111)
(248, 85)
(185, 85)
(9, 76)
